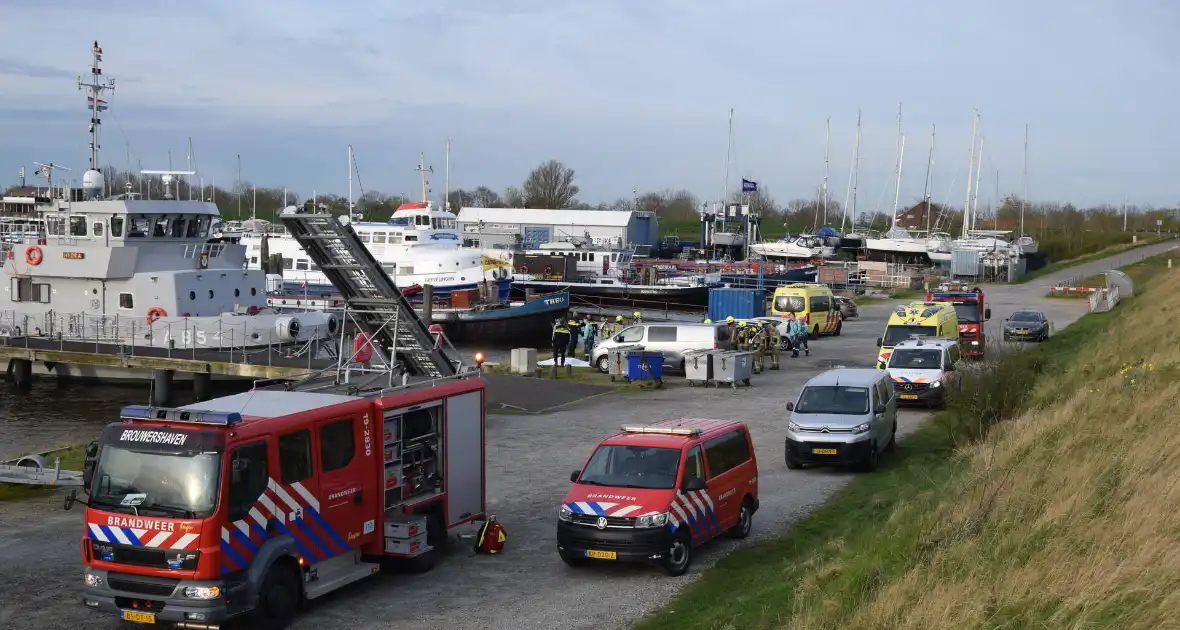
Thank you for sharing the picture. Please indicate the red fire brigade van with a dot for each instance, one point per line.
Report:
(653, 493)
(254, 503)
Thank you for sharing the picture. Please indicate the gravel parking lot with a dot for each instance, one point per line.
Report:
(529, 460)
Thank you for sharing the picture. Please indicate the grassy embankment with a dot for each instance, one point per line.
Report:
(1062, 516)
(1111, 250)
(71, 459)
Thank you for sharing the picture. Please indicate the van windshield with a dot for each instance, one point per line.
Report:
(897, 334)
(790, 303)
(837, 399)
(632, 467)
(914, 359)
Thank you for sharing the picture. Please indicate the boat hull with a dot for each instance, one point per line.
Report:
(321, 291)
(674, 295)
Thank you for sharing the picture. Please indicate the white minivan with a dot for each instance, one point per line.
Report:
(671, 338)
(843, 416)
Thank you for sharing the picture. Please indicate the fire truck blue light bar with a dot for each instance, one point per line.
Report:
(187, 416)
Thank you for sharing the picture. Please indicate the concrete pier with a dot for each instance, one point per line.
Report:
(201, 382)
(162, 387)
(22, 373)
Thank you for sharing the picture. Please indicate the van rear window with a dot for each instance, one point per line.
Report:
(790, 303)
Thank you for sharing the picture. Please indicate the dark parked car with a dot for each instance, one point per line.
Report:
(1026, 326)
(847, 307)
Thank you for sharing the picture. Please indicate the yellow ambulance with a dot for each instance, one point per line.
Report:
(813, 304)
(923, 319)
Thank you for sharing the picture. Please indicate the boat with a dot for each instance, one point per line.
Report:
(788, 248)
(495, 325)
(897, 242)
(121, 273)
(607, 290)
(939, 247)
(419, 245)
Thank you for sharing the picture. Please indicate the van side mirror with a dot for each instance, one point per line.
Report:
(790, 406)
(574, 476)
(695, 484)
(987, 314)
(949, 368)
(88, 465)
(880, 341)
(881, 408)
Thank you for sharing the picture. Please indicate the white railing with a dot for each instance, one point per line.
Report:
(247, 342)
(1103, 300)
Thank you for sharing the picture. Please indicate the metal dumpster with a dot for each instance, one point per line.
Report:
(643, 365)
(733, 367)
(616, 360)
(698, 366)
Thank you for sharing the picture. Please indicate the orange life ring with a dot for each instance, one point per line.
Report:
(524, 269)
(155, 313)
(33, 255)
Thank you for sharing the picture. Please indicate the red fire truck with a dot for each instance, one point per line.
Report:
(972, 312)
(251, 504)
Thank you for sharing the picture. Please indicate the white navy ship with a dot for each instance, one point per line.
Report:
(127, 270)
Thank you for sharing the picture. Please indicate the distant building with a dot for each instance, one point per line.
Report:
(915, 218)
(506, 228)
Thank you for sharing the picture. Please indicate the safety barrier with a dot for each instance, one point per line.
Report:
(1102, 300)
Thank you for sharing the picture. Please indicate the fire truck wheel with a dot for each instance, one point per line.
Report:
(678, 557)
(278, 599)
(745, 520)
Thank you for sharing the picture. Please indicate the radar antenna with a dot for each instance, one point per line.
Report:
(166, 178)
(46, 171)
(94, 101)
(422, 171)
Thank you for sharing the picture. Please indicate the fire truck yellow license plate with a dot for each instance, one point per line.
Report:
(602, 555)
(139, 617)
(824, 451)
(909, 396)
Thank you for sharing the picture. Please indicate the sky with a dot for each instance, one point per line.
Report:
(632, 95)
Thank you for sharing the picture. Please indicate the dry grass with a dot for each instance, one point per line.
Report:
(1064, 515)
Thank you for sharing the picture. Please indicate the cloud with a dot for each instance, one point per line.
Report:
(629, 93)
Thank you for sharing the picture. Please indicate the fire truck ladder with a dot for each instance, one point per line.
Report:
(379, 309)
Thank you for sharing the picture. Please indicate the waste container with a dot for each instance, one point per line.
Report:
(616, 360)
(733, 367)
(643, 365)
(698, 366)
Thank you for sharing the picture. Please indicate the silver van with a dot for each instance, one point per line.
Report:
(843, 416)
(671, 338)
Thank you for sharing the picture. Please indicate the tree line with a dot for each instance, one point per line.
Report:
(553, 185)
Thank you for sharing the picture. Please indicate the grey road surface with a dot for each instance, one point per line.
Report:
(529, 460)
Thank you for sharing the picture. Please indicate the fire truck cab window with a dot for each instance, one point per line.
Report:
(337, 445)
(295, 456)
(248, 477)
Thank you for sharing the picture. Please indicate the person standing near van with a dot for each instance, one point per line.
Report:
(757, 344)
(798, 334)
(589, 336)
(561, 342)
(575, 334)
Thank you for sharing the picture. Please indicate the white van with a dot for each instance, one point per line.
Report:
(671, 338)
(922, 369)
(845, 416)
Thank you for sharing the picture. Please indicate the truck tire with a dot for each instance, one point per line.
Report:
(745, 520)
(278, 599)
(678, 557)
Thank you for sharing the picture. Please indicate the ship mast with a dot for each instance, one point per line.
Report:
(94, 102)
(422, 171)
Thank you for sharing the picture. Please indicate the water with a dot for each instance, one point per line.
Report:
(54, 413)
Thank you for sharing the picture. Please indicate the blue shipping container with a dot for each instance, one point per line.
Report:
(736, 303)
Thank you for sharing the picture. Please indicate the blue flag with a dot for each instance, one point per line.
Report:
(749, 186)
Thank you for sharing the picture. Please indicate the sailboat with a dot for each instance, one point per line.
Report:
(938, 244)
(1027, 244)
(989, 241)
(852, 240)
(897, 240)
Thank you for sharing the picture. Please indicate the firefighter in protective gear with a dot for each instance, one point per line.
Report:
(707, 321)
(636, 318)
(729, 320)
(561, 342)
(755, 337)
(774, 343)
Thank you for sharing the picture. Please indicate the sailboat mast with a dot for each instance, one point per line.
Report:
(929, 170)
(827, 148)
(1024, 182)
(239, 187)
(728, 155)
(851, 175)
(970, 168)
(422, 171)
(978, 175)
(897, 168)
(855, 168)
(447, 184)
(349, 182)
